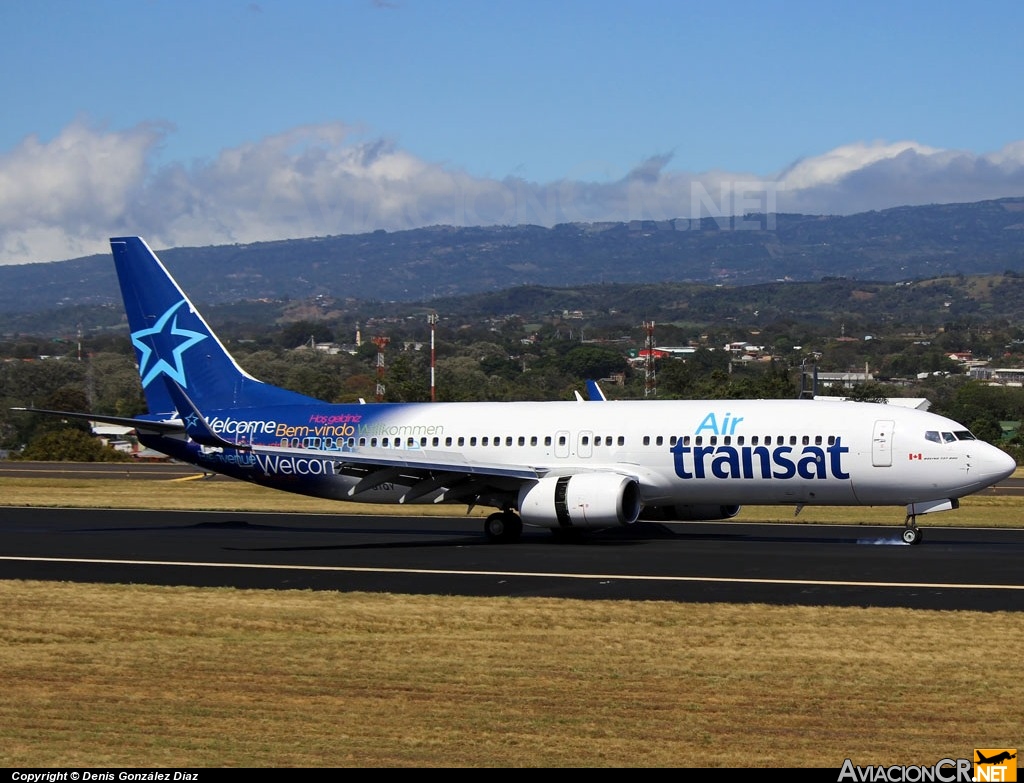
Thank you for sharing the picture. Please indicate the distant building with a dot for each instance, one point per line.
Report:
(920, 403)
(124, 439)
(998, 376)
(845, 379)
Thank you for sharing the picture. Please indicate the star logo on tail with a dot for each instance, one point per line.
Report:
(153, 343)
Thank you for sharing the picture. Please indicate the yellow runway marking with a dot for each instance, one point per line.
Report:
(540, 575)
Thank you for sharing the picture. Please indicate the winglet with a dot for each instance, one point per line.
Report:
(196, 425)
(594, 392)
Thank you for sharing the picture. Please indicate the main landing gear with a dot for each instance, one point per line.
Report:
(911, 532)
(503, 527)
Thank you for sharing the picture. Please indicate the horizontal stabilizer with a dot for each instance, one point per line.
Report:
(166, 427)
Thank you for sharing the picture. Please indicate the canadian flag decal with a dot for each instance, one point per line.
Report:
(916, 456)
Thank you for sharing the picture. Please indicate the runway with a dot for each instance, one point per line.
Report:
(816, 565)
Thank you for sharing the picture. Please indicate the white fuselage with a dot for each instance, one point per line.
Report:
(728, 452)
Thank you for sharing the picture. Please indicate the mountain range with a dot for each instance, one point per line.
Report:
(420, 265)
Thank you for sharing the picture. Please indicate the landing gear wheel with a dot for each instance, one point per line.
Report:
(912, 535)
(503, 527)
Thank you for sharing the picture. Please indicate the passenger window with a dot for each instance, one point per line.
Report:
(584, 440)
(472, 440)
(659, 440)
(547, 440)
(622, 440)
(647, 440)
(533, 440)
(484, 441)
(508, 440)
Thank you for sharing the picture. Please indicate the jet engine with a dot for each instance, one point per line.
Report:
(701, 512)
(582, 500)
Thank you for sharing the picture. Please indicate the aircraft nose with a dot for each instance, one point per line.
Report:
(1000, 464)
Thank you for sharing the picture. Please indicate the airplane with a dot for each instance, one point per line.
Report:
(996, 759)
(566, 466)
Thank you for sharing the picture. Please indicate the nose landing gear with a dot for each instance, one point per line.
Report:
(911, 532)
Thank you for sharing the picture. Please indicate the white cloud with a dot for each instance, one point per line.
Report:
(836, 164)
(64, 198)
(57, 199)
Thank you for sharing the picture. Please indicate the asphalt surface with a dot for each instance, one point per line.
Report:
(953, 568)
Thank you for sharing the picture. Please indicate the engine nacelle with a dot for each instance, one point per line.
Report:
(583, 500)
(689, 513)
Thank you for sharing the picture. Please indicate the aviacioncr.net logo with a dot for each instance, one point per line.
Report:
(943, 771)
(995, 765)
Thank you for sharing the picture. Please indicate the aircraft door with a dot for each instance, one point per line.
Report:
(562, 443)
(881, 444)
(585, 444)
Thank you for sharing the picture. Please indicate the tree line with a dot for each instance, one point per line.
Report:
(490, 361)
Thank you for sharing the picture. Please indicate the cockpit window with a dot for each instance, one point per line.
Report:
(948, 437)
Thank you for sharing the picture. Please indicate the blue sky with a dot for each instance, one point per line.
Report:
(197, 123)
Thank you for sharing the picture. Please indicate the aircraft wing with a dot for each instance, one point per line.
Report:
(413, 459)
(425, 471)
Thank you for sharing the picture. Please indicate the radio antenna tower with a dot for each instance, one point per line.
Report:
(381, 343)
(650, 381)
(432, 320)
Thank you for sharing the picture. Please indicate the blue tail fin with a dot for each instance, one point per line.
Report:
(171, 339)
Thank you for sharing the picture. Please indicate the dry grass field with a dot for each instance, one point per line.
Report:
(104, 676)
